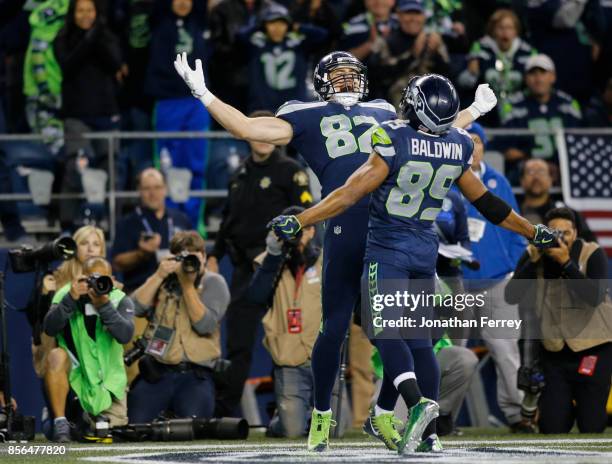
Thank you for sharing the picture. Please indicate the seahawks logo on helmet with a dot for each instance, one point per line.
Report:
(430, 103)
(346, 88)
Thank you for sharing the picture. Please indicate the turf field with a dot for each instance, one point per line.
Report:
(482, 446)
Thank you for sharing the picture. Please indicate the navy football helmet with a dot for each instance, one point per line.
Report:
(430, 103)
(347, 88)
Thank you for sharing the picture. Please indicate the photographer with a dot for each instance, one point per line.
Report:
(142, 237)
(575, 313)
(184, 305)
(90, 320)
(289, 280)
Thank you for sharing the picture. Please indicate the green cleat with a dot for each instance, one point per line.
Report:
(431, 444)
(384, 427)
(421, 414)
(318, 436)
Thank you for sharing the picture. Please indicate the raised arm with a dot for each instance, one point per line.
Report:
(363, 181)
(497, 211)
(263, 129)
(484, 101)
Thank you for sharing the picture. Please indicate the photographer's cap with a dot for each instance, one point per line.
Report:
(540, 61)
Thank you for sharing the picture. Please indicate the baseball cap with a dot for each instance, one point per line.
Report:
(539, 61)
(275, 11)
(410, 5)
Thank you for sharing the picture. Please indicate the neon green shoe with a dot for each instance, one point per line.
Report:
(431, 444)
(318, 436)
(421, 414)
(384, 427)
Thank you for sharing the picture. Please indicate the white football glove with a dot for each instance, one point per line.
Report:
(194, 78)
(484, 101)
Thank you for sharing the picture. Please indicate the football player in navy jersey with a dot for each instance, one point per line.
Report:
(413, 164)
(334, 137)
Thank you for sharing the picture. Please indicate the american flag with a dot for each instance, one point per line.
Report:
(585, 158)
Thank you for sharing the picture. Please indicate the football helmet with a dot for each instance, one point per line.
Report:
(347, 88)
(430, 103)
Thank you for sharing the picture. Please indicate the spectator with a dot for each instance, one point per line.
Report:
(574, 310)
(570, 33)
(322, 14)
(12, 229)
(408, 51)
(497, 251)
(228, 63)
(136, 106)
(536, 181)
(42, 79)
(499, 59)
(366, 32)
(265, 184)
(291, 324)
(90, 328)
(184, 309)
(180, 29)
(90, 58)
(540, 108)
(599, 112)
(447, 19)
(142, 238)
(278, 58)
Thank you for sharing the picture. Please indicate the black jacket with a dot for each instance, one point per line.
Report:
(257, 193)
(89, 61)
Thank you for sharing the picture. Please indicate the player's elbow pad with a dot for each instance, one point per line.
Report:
(493, 208)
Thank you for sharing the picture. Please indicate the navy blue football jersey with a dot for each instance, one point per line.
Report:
(333, 139)
(422, 169)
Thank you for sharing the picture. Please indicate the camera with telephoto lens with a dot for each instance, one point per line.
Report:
(100, 284)
(28, 259)
(224, 428)
(190, 263)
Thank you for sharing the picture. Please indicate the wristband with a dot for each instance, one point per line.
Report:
(206, 98)
(474, 111)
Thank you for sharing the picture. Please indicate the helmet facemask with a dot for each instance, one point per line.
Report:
(349, 84)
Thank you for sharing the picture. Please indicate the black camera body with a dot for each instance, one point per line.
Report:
(27, 259)
(100, 284)
(530, 379)
(190, 263)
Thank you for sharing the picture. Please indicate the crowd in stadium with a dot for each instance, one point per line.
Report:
(69, 67)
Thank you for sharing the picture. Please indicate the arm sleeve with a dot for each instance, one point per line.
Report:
(216, 298)
(591, 287)
(58, 315)
(522, 280)
(119, 322)
(260, 289)
(314, 34)
(141, 310)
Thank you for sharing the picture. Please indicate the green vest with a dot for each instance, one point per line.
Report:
(41, 72)
(99, 370)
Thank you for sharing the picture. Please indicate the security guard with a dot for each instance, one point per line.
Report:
(266, 184)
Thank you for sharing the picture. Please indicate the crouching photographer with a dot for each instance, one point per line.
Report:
(90, 320)
(184, 304)
(568, 293)
(288, 280)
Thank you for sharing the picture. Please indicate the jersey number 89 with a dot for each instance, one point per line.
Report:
(413, 178)
(340, 141)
